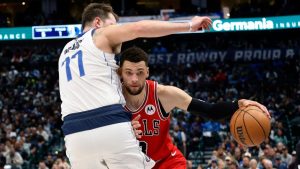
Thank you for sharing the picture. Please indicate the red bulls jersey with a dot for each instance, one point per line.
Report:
(155, 123)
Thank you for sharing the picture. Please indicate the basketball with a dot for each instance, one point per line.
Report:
(250, 126)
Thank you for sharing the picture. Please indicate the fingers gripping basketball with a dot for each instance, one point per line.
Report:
(250, 126)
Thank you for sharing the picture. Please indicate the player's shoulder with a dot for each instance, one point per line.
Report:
(161, 89)
(106, 29)
(103, 31)
(166, 91)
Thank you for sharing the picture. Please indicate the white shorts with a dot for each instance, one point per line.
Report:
(112, 146)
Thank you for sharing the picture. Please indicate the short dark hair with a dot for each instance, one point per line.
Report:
(134, 54)
(94, 10)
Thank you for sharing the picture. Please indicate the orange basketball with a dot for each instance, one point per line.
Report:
(250, 126)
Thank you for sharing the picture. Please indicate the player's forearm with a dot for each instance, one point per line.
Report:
(150, 28)
(213, 111)
(147, 28)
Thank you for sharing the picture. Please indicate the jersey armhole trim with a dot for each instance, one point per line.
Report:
(161, 111)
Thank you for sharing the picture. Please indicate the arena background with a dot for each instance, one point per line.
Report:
(262, 65)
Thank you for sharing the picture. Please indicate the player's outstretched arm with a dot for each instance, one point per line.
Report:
(116, 34)
(222, 110)
(172, 97)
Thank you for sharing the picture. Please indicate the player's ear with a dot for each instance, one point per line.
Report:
(119, 71)
(98, 23)
(147, 73)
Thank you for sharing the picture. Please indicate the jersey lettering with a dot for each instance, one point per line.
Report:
(80, 64)
(143, 146)
(156, 127)
(146, 131)
(151, 132)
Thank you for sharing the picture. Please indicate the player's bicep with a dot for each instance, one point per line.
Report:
(174, 97)
(117, 34)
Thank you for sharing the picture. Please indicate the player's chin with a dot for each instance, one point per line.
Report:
(131, 90)
(135, 91)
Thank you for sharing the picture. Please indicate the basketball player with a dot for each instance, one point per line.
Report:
(98, 131)
(151, 104)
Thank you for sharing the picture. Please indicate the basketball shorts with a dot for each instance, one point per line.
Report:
(175, 160)
(112, 146)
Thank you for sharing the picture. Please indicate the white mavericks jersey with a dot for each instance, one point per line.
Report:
(87, 77)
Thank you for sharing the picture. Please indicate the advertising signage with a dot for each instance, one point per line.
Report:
(256, 24)
(56, 31)
(21, 33)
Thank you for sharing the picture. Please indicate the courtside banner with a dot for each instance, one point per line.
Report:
(21, 33)
(256, 24)
(56, 31)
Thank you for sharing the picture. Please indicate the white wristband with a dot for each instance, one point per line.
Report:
(190, 26)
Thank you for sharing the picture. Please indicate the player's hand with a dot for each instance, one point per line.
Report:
(245, 103)
(201, 23)
(136, 125)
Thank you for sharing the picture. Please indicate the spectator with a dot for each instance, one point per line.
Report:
(280, 137)
(43, 133)
(60, 164)
(228, 162)
(294, 164)
(253, 164)
(279, 164)
(213, 164)
(199, 166)
(246, 161)
(221, 164)
(14, 158)
(42, 165)
(267, 164)
(180, 139)
(189, 164)
(237, 155)
(286, 157)
(2, 161)
(234, 165)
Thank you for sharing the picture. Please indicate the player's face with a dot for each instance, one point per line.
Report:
(134, 76)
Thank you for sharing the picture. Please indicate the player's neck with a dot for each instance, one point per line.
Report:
(87, 28)
(133, 102)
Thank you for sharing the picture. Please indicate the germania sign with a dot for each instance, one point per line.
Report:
(252, 24)
(223, 25)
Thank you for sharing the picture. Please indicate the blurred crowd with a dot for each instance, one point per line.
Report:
(261, 8)
(30, 134)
